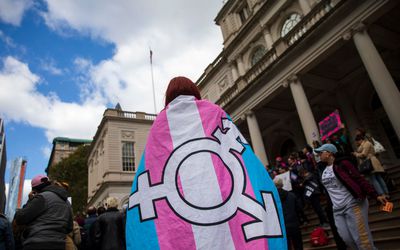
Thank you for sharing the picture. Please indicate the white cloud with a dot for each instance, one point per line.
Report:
(12, 11)
(182, 35)
(7, 40)
(50, 66)
(17, 82)
(46, 151)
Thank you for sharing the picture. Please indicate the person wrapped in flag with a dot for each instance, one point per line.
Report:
(199, 184)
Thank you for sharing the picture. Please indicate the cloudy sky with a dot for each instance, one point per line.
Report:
(63, 62)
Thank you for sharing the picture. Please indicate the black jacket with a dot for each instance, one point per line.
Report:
(290, 208)
(6, 235)
(48, 219)
(109, 230)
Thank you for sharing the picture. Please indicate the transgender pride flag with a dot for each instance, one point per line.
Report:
(200, 186)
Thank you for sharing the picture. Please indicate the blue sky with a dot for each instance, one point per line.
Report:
(63, 62)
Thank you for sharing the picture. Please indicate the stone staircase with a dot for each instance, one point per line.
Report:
(385, 227)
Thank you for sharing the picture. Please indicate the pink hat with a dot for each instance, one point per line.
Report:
(39, 179)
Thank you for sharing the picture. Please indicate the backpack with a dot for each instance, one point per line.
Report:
(319, 237)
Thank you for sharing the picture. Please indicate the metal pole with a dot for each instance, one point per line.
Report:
(152, 81)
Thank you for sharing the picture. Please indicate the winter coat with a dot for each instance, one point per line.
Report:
(48, 219)
(290, 207)
(366, 151)
(109, 230)
(6, 235)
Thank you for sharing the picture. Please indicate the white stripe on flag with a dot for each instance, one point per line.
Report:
(197, 174)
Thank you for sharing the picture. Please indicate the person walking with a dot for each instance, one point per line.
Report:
(290, 206)
(348, 190)
(109, 228)
(47, 216)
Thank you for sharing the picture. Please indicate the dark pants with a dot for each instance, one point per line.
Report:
(294, 238)
(300, 201)
(316, 204)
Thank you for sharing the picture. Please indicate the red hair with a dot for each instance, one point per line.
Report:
(181, 86)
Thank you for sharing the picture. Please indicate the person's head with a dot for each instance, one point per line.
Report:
(327, 152)
(316, 144)
(278, 183)
(359, 139)
(360, 131)
(91, 210)
(100, 210)
(39, 182)
(181, 86)
(292, 158)
(111, 202)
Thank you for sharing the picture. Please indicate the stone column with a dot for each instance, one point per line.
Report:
(305, 6)
(303, 107)
(240, 65)
(256, 137)
(383, 82)
(348, 113)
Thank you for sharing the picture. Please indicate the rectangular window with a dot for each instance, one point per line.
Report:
(128, 156)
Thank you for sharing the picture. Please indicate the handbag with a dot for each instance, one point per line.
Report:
(365, 167)
(378, 147)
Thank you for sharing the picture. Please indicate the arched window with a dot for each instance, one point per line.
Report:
(292, 20)
(258, 54)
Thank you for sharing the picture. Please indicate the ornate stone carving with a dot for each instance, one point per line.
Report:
(127, 134)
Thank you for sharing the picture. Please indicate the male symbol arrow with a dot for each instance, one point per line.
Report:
(267, 222)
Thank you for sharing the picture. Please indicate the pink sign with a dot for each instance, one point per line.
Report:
(330, 125)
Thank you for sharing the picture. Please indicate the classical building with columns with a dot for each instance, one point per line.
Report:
(115, 154)
(287, 64)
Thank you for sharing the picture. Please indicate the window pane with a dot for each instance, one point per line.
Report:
(128, 156)
(257, 55)
(290, 23)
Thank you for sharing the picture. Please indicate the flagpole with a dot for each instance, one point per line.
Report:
(152, 81)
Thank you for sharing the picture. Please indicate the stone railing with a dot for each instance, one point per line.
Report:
(261, 65)
(308, 21)
(130, 115)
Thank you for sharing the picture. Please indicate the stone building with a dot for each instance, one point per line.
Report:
(62, 148)
(287, 64)
(115, 154)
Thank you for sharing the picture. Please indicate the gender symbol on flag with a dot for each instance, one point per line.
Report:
(225, 142)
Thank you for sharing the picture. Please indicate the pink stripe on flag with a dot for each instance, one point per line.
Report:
(207, 114)
(173, 232)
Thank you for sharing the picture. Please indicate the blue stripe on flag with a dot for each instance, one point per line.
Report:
(140, 235)
(260, 180)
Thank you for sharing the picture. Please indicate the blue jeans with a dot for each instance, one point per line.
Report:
(378, 183)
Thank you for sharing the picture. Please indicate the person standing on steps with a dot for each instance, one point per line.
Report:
(348, 192)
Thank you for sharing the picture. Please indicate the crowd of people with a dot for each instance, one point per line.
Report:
(329, 172)
(46, 221)
(332, 172)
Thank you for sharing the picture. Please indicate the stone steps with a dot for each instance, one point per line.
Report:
(385, 227)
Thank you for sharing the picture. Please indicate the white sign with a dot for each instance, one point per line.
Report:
(285, 177)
